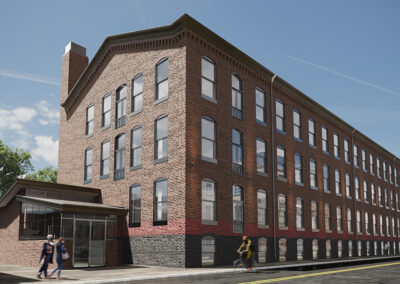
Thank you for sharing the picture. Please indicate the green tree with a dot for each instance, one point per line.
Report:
(12, 165)
(47, 174)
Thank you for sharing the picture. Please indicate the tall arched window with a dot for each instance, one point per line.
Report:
(160, 202)
(88, 165)
(350, 248)
(368, 248)
(137, 93)
(375, 248)
(162, 74)
(120, 114)
(119, 157)
(238, 209)
(300, 249)
(208, 78)
(237, 100)
(262, 250)
(208, 138)
(136, 148)
(161, 138)
(339, 219)
(359, 248)
(315, 249)
(328, 223)
(208, 201)
(314, 215)
(105, 159)
(282, 249)
(89, 120)
(299, 213)
(207, 250)
(328, 248)
(106, 113)
(262, 212)
(237, 152)
(340, 248)
(135, 205)
(282, 211)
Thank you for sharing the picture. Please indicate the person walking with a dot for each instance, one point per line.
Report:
(246, 252)
(61, 255)
(46, 257)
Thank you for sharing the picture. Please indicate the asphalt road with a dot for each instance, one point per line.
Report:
(377, 273)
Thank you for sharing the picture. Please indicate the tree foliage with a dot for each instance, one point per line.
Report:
(12, 165)
(47, 174)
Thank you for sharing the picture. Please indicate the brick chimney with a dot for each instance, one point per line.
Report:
(74, 61)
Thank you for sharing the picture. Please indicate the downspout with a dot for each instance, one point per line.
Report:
(273, 166)
(354, 196)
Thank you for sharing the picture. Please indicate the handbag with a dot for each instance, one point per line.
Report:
(65, 255)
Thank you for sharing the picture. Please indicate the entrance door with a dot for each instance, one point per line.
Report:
(97, 244)
(81, 243)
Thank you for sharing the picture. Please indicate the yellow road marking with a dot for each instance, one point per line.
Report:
(318, 274)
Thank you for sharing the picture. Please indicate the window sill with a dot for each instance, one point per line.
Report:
(325, 152)
(299, 183)
(314, 188)
(348, 197)
(358, 199)
(281, 131)
(366, 201)
(365, 171)
(315, 230)
(209, 99)
(339, 194)
(298, 139)
(89, 135)
(262, 174)
(379, 177)
(135, 167)
(327, 191)
(337, 158)
(211, 160)
(160, 223)
(87, 181)
(134, 225)
(104, 177)
(283, 228)
(340, 232)
(356, 166)
(263, 226)
(262, 123)
(312, 146)
(158, 161)
(328, 231)
(209, 222)
(347, 162)
(300, 229)
(282, 179)
(160, 100)
(105, 127)
(136, 112)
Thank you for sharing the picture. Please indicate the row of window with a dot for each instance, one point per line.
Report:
(208, 249)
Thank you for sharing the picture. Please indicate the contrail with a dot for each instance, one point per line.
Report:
(29, 77)
(344, 75)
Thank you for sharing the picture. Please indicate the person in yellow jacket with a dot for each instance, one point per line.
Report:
(246, 252)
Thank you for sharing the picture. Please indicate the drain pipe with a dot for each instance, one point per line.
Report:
(355, 202)
(273, 166)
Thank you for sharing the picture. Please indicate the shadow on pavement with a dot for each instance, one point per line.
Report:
(11, 279)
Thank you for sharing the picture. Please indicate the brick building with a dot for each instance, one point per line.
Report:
(202, 144)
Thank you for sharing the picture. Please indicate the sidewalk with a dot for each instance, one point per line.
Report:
(19, 274)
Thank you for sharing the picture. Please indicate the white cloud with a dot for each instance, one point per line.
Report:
(16, 118)
(29, 77)
(46, 149)
(49, 114)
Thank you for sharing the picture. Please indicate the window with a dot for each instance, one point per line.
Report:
(88, 165)
(359, 248)
(349, 221)
(261, 156)
(160, 202)
(358, 221)
(378, 167)
(375, 248)
(299, 213)
(384, 170)
(336, 149)
(347, 180)
(397, 201)
(314, 215)
(281, 162)
(137, 93)
(395, 178)
(161, 137)
(357, 188)
(328, 223)
(373, 194)
(282, 249)
(324, 134)
(282, 211)
(260, 106)
(368, 248)
(355, 155)
(339, 221)
(162, 79)
(386, 198)
(262, 250)
(119, 157)
(346, 151)
(208, 144)
(136, 148)
(391, 200)
(208, 204)
(326, 178)
(237, 100)
(208, 78)
(337, 183)
(313, 174)
(381, 225)
(387, 226)
(106, 115)
(135, 205)
(364, 160)
(237, 152)
(393, 227)
(371, 164)
(328, 248)
(366, 221)
(340, 248)
(238, 208)
(390, 174)
(350, 248)
(300, 249)
(280, 116)
(311, 132)
(262, 212)
(105, 159)
(297, 124)
(365, 187)
(120, 113)
(374, 224)
(298, 169)
(89, 120)
(207, 250)
(382, 248)
(315, 249)
(380, 196)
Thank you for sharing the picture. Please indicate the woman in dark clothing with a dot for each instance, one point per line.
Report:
(60, 250)
(46, 256)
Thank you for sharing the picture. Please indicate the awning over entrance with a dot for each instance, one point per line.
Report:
(73, 206)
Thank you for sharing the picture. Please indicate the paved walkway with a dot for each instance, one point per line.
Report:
(10, 274)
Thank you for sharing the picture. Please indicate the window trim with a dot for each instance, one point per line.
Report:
(214, 158)
(236, 112)
(87, 134)
(120, 121)
(133, 96)
(156, 158)
(264, 108)
(104, 113)
(102, 175)
(85, 179)
(157, 99)
(214, 83)
(300, 138)
(116, 151)
(214, 221)
(264, 157)
(283, 130)
(155, 221)
(132, 207)
(132, 150)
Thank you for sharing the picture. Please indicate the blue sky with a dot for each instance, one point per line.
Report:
(343, 54)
